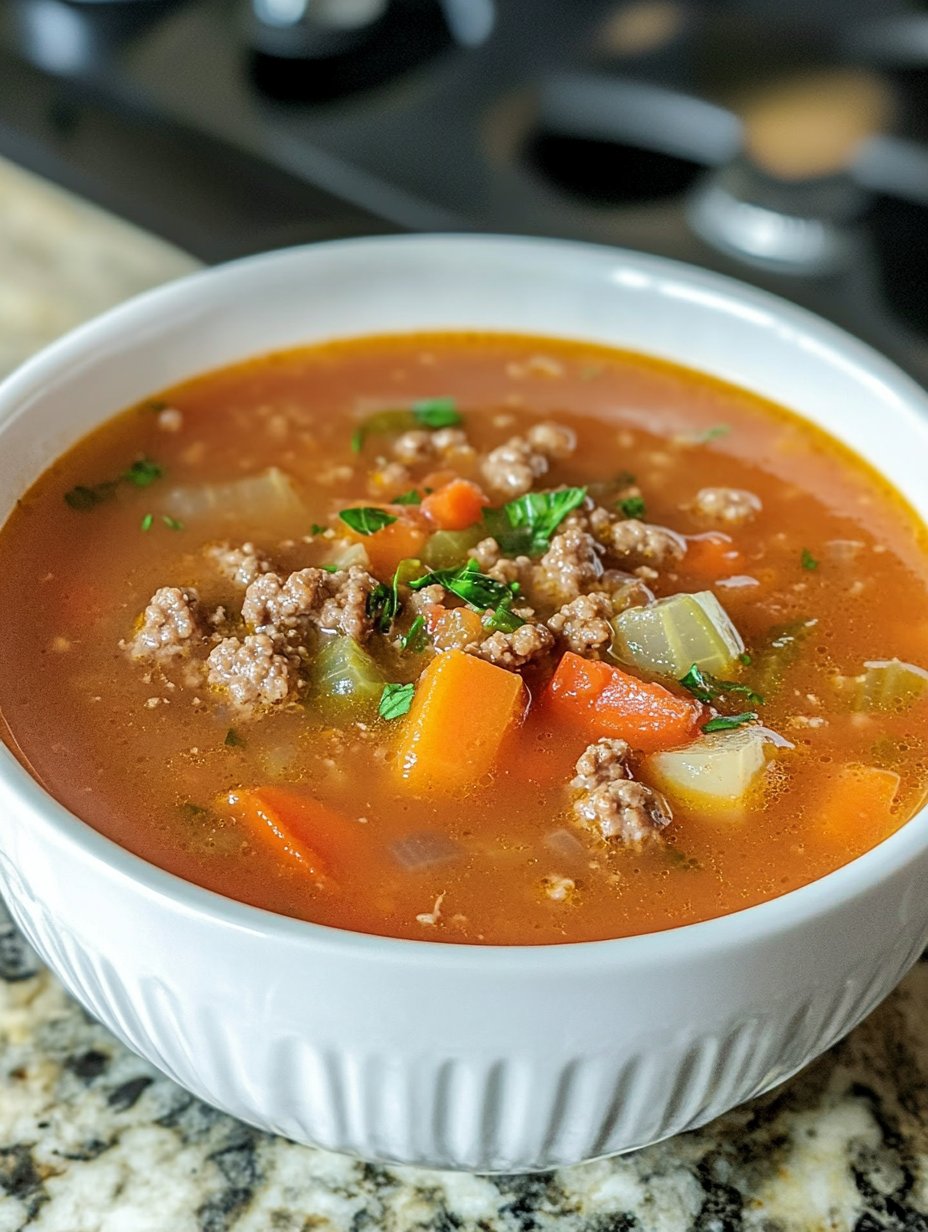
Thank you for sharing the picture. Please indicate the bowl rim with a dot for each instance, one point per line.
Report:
(790, 911)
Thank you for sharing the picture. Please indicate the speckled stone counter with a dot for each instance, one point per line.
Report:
(94, 1140)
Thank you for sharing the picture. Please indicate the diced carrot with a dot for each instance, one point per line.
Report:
(712, 556)
(401, 540)
(437, 479)
(462, 710)
(294, 824)
(858, 803)
(455, 506)
(605, 701)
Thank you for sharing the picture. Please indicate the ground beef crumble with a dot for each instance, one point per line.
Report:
(571, 566)
(725, 506)
(171, 625)
(241, 565)
(583, 624)
(610, 802)
(251, 671)
(512, 468)
(334, 602)
(632, 542)
(514, 650)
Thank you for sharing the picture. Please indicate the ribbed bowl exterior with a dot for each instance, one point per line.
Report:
(422, 1064)
(458, 1057)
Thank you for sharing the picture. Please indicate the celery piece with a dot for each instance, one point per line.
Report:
(776, 654)
(669, 636)
(447, 549)
(345, 680)
(714, 774)
(268, 497)
(884, 684)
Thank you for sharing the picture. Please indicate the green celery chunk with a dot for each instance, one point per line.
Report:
(884, 684)
(669, 636)
(345, 681)
(447, 549)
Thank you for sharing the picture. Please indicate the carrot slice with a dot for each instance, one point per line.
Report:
(294, 824)
(712, 556)
(456, 506)
(605, 701)
(858, 802)
(401, 540)
(461, 712)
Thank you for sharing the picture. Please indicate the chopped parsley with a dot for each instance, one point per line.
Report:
(316, 529)
(711, 434)
(533, 518)
(147, 521)
(330, 568)
(707, 688)
(436, 413)
(395, 700)
(468, 583)
(233, 740)
(383, 603)
(87, 496)
(416, 639)
(808, 561)
(412, 497)
(632, 506)
(172, 523)
(367, 519)
(728, 722)
(745, 658)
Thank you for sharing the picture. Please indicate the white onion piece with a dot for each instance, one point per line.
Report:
(424, 850)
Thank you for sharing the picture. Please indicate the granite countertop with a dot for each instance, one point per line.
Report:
(94, 1140)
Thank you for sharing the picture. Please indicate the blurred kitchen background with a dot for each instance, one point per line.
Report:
(782, 141)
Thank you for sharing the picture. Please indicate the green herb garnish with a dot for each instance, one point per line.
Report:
(395, 700)
(143, 472)
(537, 515)
(711, 434)
(146, 522)
(88, 496)
(503, 620)
(233, 740)
(632, 506)
(367, 519)
(412, 497)
(330, 568)
(727, 722)
(807, 560)
(357, 439)
(745, 658)
(707, 688)
(193, 811)
(436, 413)
(316, 529)
(172, 523)
(416, 639)
(468, 583)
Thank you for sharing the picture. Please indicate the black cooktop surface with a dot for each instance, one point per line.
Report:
(783, 142)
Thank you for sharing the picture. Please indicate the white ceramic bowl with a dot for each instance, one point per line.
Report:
(460, 1057)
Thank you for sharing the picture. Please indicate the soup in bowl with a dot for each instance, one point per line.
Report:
(491, 679)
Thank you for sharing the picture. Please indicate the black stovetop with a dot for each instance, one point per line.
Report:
(689, 129)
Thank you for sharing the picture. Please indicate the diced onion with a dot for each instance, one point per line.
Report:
(266, 497)
(425, 850)
(884, 684)
(669, 636)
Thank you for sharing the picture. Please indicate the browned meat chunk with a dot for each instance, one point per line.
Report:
(335, 602)
(251, 671)
(171, 624)
(513, 467)
(513, 650)
(725, 506)
(571, 566)
(417, 447)
(610, 802)
(636, 543)
(583, 624)
(240, 565)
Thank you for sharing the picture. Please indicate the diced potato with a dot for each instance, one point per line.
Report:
(669, 636)
(269, 497)
(884, 684)
(715, 774)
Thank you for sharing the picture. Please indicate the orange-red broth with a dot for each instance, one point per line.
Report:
(78, 713)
